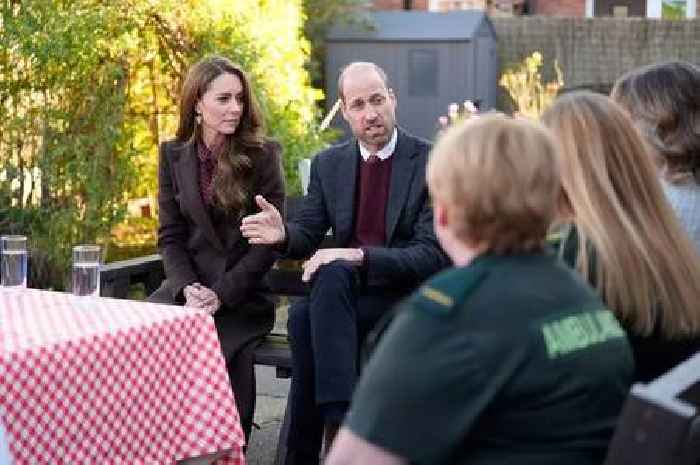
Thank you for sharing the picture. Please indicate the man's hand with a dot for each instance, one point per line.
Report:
(265, 227)
(199, 296)
(325, 256)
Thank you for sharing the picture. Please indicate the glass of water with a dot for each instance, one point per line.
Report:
(13, 262)
(86, 270)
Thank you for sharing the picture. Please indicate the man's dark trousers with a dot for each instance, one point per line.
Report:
(327, 330)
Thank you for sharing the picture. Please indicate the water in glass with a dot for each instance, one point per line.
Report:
(14, 268)
(86, 270)
(86, 278)
(13, 261)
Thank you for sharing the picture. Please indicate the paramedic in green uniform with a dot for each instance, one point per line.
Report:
(509, 357)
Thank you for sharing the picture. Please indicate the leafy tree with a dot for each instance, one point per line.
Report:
(64, 151)
(88, 89)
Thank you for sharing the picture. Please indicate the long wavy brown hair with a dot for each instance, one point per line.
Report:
(233, 173)
(646, 268)
(663, 101)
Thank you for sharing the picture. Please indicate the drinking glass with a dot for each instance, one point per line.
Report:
(13, 266)
(86, 270)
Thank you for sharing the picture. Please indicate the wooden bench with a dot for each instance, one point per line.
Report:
(117, 278)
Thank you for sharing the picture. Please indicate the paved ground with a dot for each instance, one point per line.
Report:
(269, 409)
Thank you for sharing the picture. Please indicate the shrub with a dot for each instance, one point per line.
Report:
(88, 89)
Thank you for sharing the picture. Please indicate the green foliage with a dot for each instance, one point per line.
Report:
(133, 237)
(64, 154)
(673, 9)
(88, 89)
(285, 94)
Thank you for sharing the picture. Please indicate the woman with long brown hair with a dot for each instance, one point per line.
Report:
(664, 102)
(208, 177)
(626, 239)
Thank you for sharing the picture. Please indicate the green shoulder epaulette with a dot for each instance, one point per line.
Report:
(555, 239)
(443, 293)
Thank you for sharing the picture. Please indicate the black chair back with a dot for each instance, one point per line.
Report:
(660, 423)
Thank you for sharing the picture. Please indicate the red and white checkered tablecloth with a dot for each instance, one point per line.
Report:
(99, 381)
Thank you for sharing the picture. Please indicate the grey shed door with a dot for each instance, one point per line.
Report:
(421, 85)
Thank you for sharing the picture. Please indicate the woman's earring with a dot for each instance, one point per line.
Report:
(198, 119)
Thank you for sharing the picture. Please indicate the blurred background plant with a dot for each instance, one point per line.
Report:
(525, 86)
(88, 89)
(457, 112)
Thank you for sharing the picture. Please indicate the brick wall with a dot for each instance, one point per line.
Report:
(451, 5)
(398, 4)
(538, 7)
(495, 7)
(559, 7)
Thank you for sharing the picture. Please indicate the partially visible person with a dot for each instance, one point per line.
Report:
(4, 448)
(664, 102)
(208, 178)
(371, 191)
(626, 240)
(509, 357)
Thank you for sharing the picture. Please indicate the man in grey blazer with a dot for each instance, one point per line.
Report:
(371, 192)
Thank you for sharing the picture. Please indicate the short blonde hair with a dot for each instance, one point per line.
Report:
(499, 180)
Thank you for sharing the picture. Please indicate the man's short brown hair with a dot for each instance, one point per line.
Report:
(499, 181)
(354, 64)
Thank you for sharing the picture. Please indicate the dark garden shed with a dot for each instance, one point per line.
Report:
(432, 59)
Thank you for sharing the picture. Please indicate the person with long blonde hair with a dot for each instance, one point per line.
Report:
(626, 239)
(508, 357)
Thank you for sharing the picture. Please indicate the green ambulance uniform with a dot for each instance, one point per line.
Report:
(510, 360)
